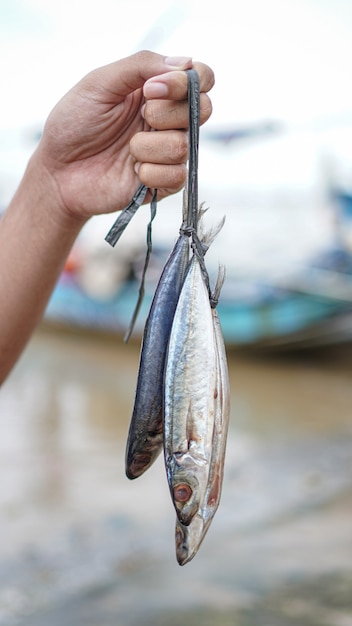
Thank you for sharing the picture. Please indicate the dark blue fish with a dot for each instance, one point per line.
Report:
(145, 436)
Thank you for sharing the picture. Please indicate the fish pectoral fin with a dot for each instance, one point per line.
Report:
(197, 457)
(190, 457)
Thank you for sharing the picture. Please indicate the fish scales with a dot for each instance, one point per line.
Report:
(145, 435)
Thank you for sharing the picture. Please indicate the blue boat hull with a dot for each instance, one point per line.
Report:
(278, 319)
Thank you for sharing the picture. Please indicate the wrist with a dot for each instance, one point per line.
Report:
(40, 186)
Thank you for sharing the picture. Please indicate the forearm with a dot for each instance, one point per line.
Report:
(36, 236)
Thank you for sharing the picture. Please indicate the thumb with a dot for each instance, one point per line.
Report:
(124, 76)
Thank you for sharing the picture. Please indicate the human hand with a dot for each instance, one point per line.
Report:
(97, 146)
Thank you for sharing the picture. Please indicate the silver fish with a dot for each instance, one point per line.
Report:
(190, 393)
(189, 538)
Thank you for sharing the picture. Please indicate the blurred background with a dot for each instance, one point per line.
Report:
(80, 544)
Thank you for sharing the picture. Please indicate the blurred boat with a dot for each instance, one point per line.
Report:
(303, 311)
(311, 306)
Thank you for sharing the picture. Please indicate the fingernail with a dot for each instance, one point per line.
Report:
(143, 111)
(136, 167)
(155, 90)
(178, 62)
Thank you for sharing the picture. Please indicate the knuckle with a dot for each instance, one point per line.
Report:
(176, 177)
(206, 76)
(163, 177)
(179, 151)
(143, 56)
(206, 108)
(154, 114)
(140, 145)
(179, 177)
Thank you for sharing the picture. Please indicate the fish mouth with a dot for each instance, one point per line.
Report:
(188, 539)
(182, 552)
(140, 457)
(138, 465)
(186, 514)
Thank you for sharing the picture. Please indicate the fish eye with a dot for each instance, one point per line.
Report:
(182, 493)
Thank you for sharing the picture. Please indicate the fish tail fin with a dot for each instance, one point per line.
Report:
(201, 212)
(207, 236)
(218, 285)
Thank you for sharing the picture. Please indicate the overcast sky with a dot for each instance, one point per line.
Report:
(286, 59)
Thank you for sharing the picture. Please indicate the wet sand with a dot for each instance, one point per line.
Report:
(80, 544)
